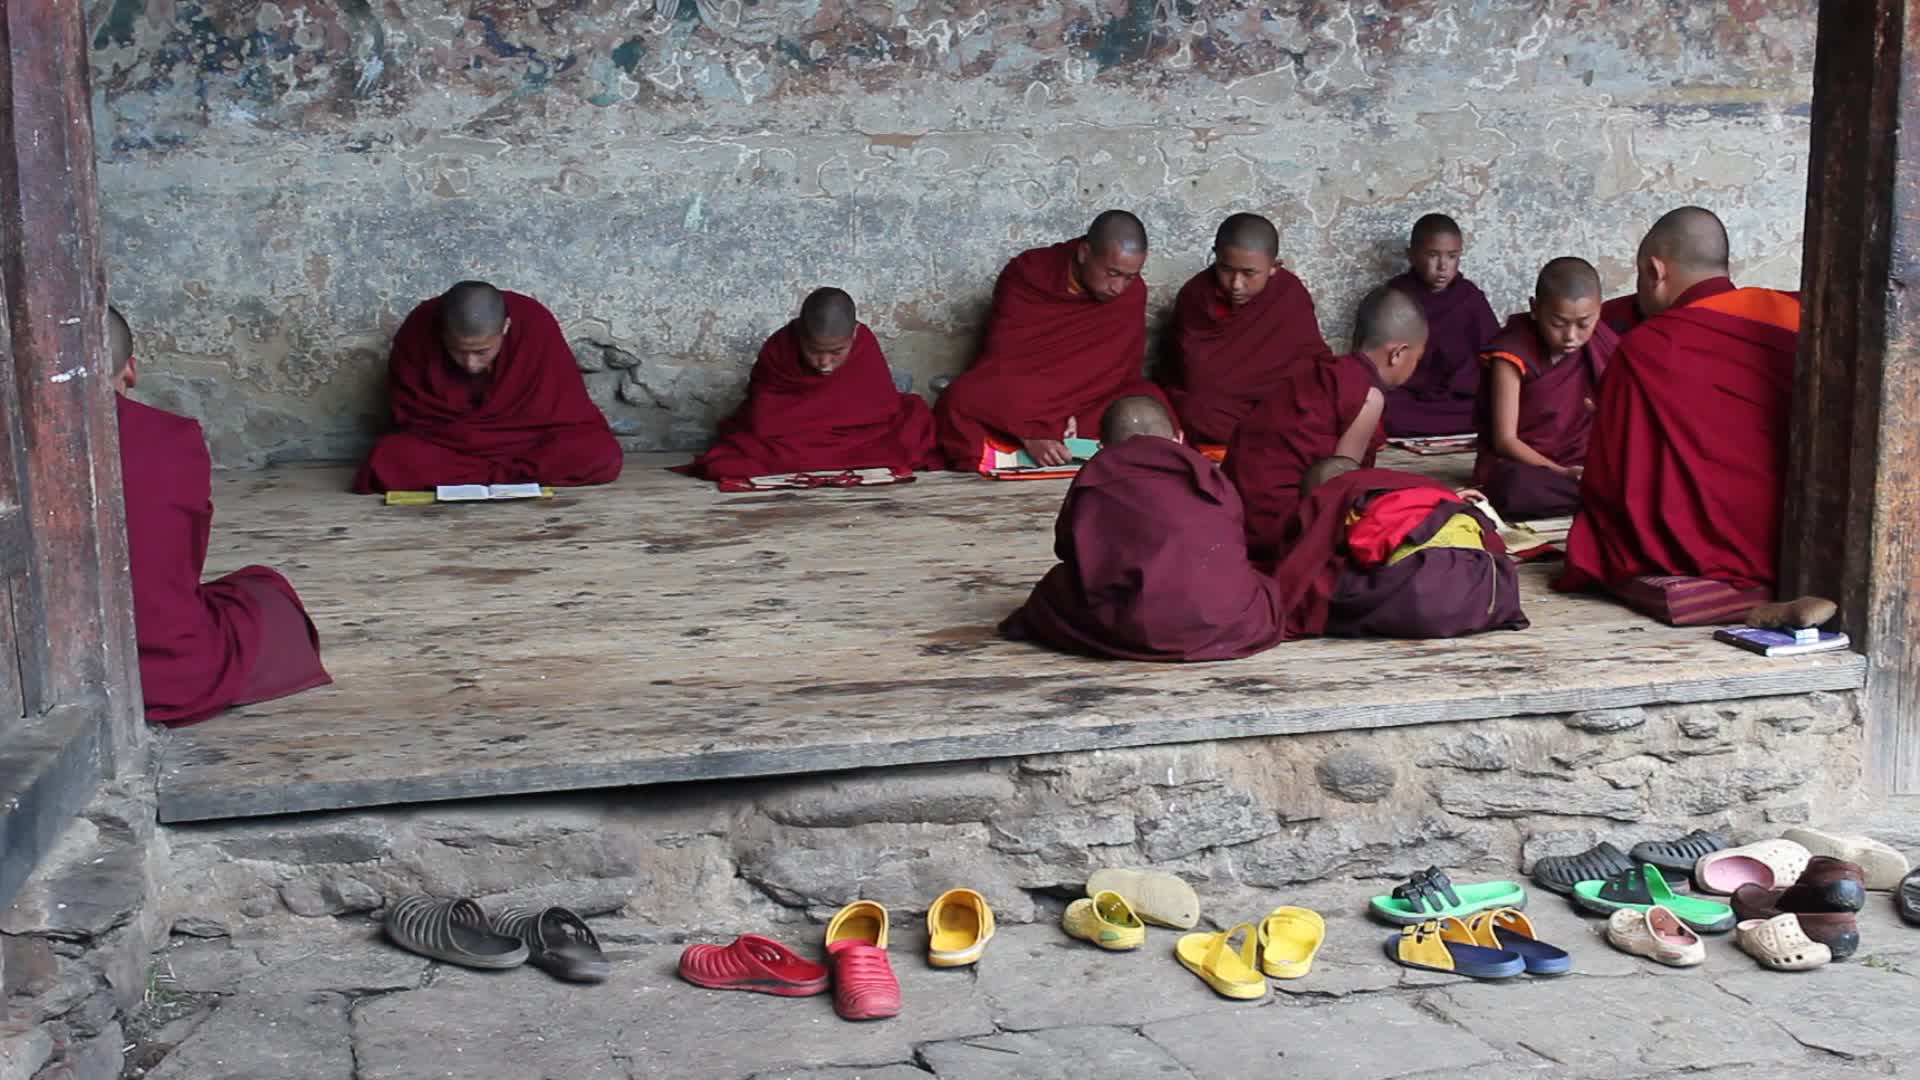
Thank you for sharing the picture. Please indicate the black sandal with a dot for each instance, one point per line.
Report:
(454, 931)
(1676, 858)
(1561, 872)
(558, 942)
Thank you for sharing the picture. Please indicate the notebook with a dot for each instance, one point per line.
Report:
(468, 493)
(1431, 445)
(1778, 642)
(1003, 462)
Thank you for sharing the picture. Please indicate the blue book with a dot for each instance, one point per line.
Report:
(1779, 642)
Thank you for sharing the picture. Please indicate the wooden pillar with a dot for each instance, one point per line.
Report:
(1853, 484)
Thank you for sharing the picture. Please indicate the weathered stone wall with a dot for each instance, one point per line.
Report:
(283, 180)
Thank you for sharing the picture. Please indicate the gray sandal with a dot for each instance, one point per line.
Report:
(455, 931)
(558, 942)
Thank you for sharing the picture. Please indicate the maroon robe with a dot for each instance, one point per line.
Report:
(1622, 313)
(529, 420)
(1555, 419)
(1152, 564)
(797, 420)
(1298, 424)
(1226, 360)
(1439, 399)
(1051, 354)
(1687, 462)
(205, 646)
(1432, 593)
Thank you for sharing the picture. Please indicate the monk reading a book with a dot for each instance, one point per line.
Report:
(1331, 407)
(1152, 564)
(1680, 500)
(1537, 396)
(1066, 337)
(204, 646)
(1239, 327)
(483, 389)
(820, 398)
(1439, 399)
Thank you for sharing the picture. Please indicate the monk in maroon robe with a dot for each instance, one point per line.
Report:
(1067, 336)
(1152, 563)
(1537, 397)
(1622, 313)
(204, 646)
(483, 389)
(1439, 399)
(1331, 407)
(1680, 500)
(820, 398)
(1239, 327)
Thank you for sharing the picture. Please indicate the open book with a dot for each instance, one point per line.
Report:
(483, 492)
(1003, 462)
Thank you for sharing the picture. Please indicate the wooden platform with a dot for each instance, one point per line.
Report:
(657, 630)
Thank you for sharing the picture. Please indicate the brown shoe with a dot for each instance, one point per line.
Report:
(1839, 931)
(1801, 614)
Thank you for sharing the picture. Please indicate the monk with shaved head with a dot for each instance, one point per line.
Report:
(204, 646)
(820, 398)
(1153, 565)
(1680, 499)
(1239, 327)
(1535, 413)
(483, 389)
(1331, 407)
(1439, 399)
(1066, 337)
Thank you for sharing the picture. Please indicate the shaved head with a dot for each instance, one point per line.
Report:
(1248, 232)
(1325, 470)
(1691, 239)
(119, 338)
(1136, 415)
(1117, 231)
(472, 309)
(1567, 278)
(828, 315)
(1386, 317)
(1431, 226)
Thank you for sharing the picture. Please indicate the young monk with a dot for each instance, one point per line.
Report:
(1537, 396)
(1680, 500)
(484, 389)
(1066, 337)
(1374, 552)
(1439, 399)
(1152, 564)
(204, 646)
(1239, 327)
(1331, 407)
(820, 397)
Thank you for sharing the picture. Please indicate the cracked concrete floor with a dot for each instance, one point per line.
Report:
(327, 1000)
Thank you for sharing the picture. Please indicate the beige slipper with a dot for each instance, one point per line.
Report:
(1780, 944)
(1883, 866)
(1158, 897)
(1657, 934)
(1770, 864)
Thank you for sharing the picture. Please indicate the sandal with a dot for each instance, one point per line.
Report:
(1231, 973)
(455, 931)
(1657, 934)
(1780, 944)
(1290, 937)
(959, 925)
(751, 962)
(1106, 920)
(1446, 945)
(1770, 864)
(1643, 887)
(1155, 895)
(1677, 858)
(1430, 894)
(1561, 873)
(1882, 866)
(558, 942)
(1510, 931)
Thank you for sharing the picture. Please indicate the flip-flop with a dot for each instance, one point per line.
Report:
(1507, 929)
(754, 963)
(1229, 972)
(1446, 945)
(1290, 937)
(559, 942)
(1643, 887)
(455, 931)
(1156, 896)
(1430, 894)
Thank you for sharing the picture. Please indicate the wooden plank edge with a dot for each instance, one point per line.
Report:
(288, 797)
(49, 768)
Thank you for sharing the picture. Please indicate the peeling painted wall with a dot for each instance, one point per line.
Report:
(283, 181)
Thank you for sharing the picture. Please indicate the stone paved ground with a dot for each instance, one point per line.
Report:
(326, 1000)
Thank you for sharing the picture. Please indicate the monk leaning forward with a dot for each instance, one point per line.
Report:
(483, 389)
(1067, 337)
(820, 398)
(204, 646)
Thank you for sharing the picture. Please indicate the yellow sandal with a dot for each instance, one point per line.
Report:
(1290, 937)
(1231, 973)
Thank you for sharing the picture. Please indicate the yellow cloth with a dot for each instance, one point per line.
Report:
(1460, 531)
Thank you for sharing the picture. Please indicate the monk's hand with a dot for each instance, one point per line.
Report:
(1049, 452)
(1588, 402)
(1470, 495)
(1573, 472)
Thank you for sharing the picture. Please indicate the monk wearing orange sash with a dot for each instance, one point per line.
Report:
(1067, 336)
(1680, 500)
(1239, 327)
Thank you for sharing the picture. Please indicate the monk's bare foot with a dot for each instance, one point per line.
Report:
(1808, 611)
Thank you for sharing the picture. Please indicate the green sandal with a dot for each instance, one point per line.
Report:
(1430, 894)
(1643, 887)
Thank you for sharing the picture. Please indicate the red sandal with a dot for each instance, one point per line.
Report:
(864, 986)
(754, 963)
